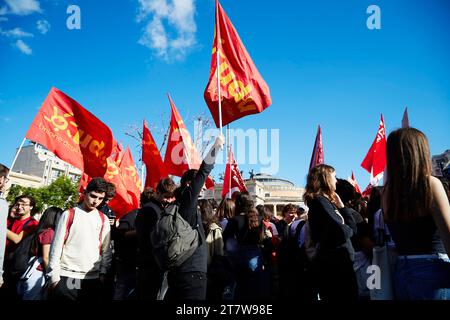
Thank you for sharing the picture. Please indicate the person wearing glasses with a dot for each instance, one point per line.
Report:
(23, 225)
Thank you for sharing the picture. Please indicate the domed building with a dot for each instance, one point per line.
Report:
(274, 193)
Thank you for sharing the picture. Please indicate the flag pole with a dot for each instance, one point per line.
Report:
(142, 177)
(217, 66)
(15, 157)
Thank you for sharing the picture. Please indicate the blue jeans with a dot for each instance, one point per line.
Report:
(422, 279)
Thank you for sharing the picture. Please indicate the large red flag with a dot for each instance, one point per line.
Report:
(130, 177)
(242, 89)
(156, 170)
(405, 119)
(317, 154)
(232, 180)
(354, 183)
(181, 154)
(72, 133)
(375, 160)
(122, 202)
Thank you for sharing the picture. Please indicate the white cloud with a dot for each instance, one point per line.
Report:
(43, 26)
(15, 33)
(22, 7)
(23, 47)
(168, 43)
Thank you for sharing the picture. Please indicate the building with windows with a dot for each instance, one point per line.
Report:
(272, 192)
(36, 167)
(441, 164)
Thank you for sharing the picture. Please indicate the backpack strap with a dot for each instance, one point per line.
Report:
(102, 217)
(69, 223)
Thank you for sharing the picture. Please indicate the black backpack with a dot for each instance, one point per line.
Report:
(16, 263)
(173, 239)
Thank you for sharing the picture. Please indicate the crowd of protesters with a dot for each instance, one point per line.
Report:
(323, 250)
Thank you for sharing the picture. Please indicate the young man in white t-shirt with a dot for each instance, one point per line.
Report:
(81, 253)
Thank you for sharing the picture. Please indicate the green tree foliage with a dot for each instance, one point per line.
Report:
(62, 193)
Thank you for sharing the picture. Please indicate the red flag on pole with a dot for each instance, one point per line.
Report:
(72, 133)
(317, 155)
(405, 119)
(155, 168)
(232, 180)
(130, 177)
(375, 160)
(181, 154)
(122, 202)
(242, 89)
(352, 180)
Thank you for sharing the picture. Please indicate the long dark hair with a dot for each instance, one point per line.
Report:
(48, 220)
(407, 191)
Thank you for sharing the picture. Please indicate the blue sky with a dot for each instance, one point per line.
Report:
(319, 59)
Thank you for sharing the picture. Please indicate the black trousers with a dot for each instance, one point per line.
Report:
(76, 289)
(186, 286)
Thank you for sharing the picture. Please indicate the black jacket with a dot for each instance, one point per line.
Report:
(327, 228)
(187, 199)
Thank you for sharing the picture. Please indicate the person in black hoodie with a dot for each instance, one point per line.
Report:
(188, 281)
(149, 276)
(331, 225)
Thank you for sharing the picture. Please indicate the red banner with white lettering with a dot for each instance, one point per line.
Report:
(72, 133)
(242, 89)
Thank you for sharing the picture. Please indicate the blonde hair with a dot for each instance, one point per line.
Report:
(319, 182)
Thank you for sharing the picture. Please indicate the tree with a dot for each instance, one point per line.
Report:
(62, 193)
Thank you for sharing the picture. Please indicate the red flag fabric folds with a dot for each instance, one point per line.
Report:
(375, 160)
(181, 154)
(155, 168)
(232, 180)
(72, 133)
(242, 89)
(317, 154)
(352, 180)
(130, 177)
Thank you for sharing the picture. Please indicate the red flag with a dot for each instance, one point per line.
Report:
(130, 177)
(242, 89)
(405, 119)
(352, 180)
(375, 160)
(317, 155)
(154, 164)
(368, 190)
(232, 180)
(209, 183)
(181, 154)
(72, 133)
(122, 202)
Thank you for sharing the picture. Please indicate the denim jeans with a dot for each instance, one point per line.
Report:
(422, 279)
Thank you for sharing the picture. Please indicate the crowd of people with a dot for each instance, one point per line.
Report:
(323, 250)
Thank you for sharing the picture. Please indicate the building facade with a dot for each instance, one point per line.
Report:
(441, 163)
(272, 192)
(37, 167)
